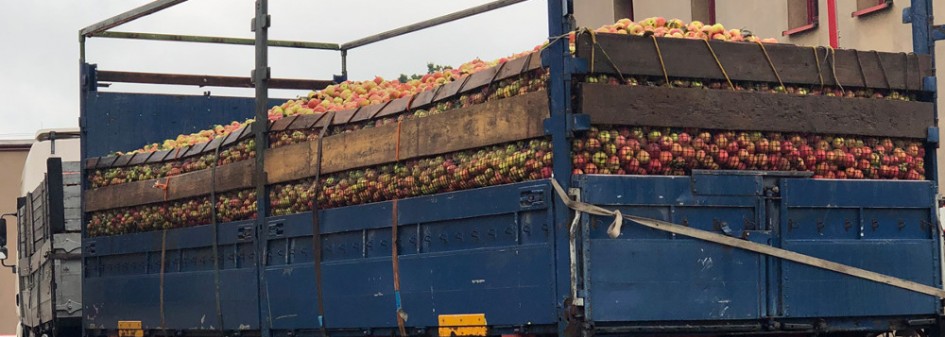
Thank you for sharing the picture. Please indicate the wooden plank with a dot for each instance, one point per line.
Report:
(283, 123)
(424, 98)
(105, 162)
(534, 62)
(228, 177)
(513, 67)
(286, 163)
(122, 160)
(139, 158)
(480, 125)
(685, 58)
(306, 121)
(196, 149)
(505, 120)
(448, 90)
(490, 123)
(91, 163)
(395, 107)
(342, 117)
(735, 110)
(480, 79)
(234, 136)
(158, 156)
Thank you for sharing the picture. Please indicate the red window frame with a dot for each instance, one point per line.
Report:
(880, 5)
(812, 19)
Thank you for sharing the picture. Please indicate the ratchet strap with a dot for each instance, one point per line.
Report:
(395, 256)
(316, 229)
(215, 224)
(614, 231)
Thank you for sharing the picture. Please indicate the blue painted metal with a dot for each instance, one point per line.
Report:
(122, 279)
(647, 275)
(556, 58)
(882, 226)
(126, 121)
(459, 259)
(938, 33)
(919, 15)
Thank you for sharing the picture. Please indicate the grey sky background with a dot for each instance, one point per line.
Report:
(39, 70)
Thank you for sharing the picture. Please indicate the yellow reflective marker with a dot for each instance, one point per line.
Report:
(130, 329)
(463, 325)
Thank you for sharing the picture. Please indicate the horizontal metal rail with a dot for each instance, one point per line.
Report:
(205, 80)
(429, 23)
(215, 40)
(131, 15)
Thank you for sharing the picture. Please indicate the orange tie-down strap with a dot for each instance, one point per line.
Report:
(614, 231)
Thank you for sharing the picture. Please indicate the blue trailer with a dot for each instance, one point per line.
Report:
(515, 259)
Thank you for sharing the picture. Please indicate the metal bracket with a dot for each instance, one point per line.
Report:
(265, 76)
(577, 122)
(929, 83)
(907, 15)
(932, 136)
(267, 21)
(579, 66)
(532, 198)
(938, 33)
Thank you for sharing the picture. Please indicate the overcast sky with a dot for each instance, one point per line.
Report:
(39, 57)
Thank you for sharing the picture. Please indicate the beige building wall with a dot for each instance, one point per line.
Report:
(883, 31)
(669, 9)
(12, 157)
(594, 13)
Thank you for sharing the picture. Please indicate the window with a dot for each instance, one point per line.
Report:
(704, 10)
(623, 9)
(802, 16)
(864, 7)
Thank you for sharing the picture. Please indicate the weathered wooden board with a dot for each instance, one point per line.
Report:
(490, 123)
(685, 58)
(228, 177)
(735, 110)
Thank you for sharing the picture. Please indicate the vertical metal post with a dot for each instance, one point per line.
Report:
(344, 64)
(82, 49)
(260, 128)
(557, 58)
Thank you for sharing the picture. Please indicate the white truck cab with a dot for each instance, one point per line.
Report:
(49, 143)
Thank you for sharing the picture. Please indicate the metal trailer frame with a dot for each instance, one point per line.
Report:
(261, 80)
(560, 125)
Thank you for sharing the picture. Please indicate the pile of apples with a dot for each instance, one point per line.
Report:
(242, 150)
(676, 28)
(528, 82)
(762, 87)
(495, 165)
(353, 94)
(231, 206)
(661, 151)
